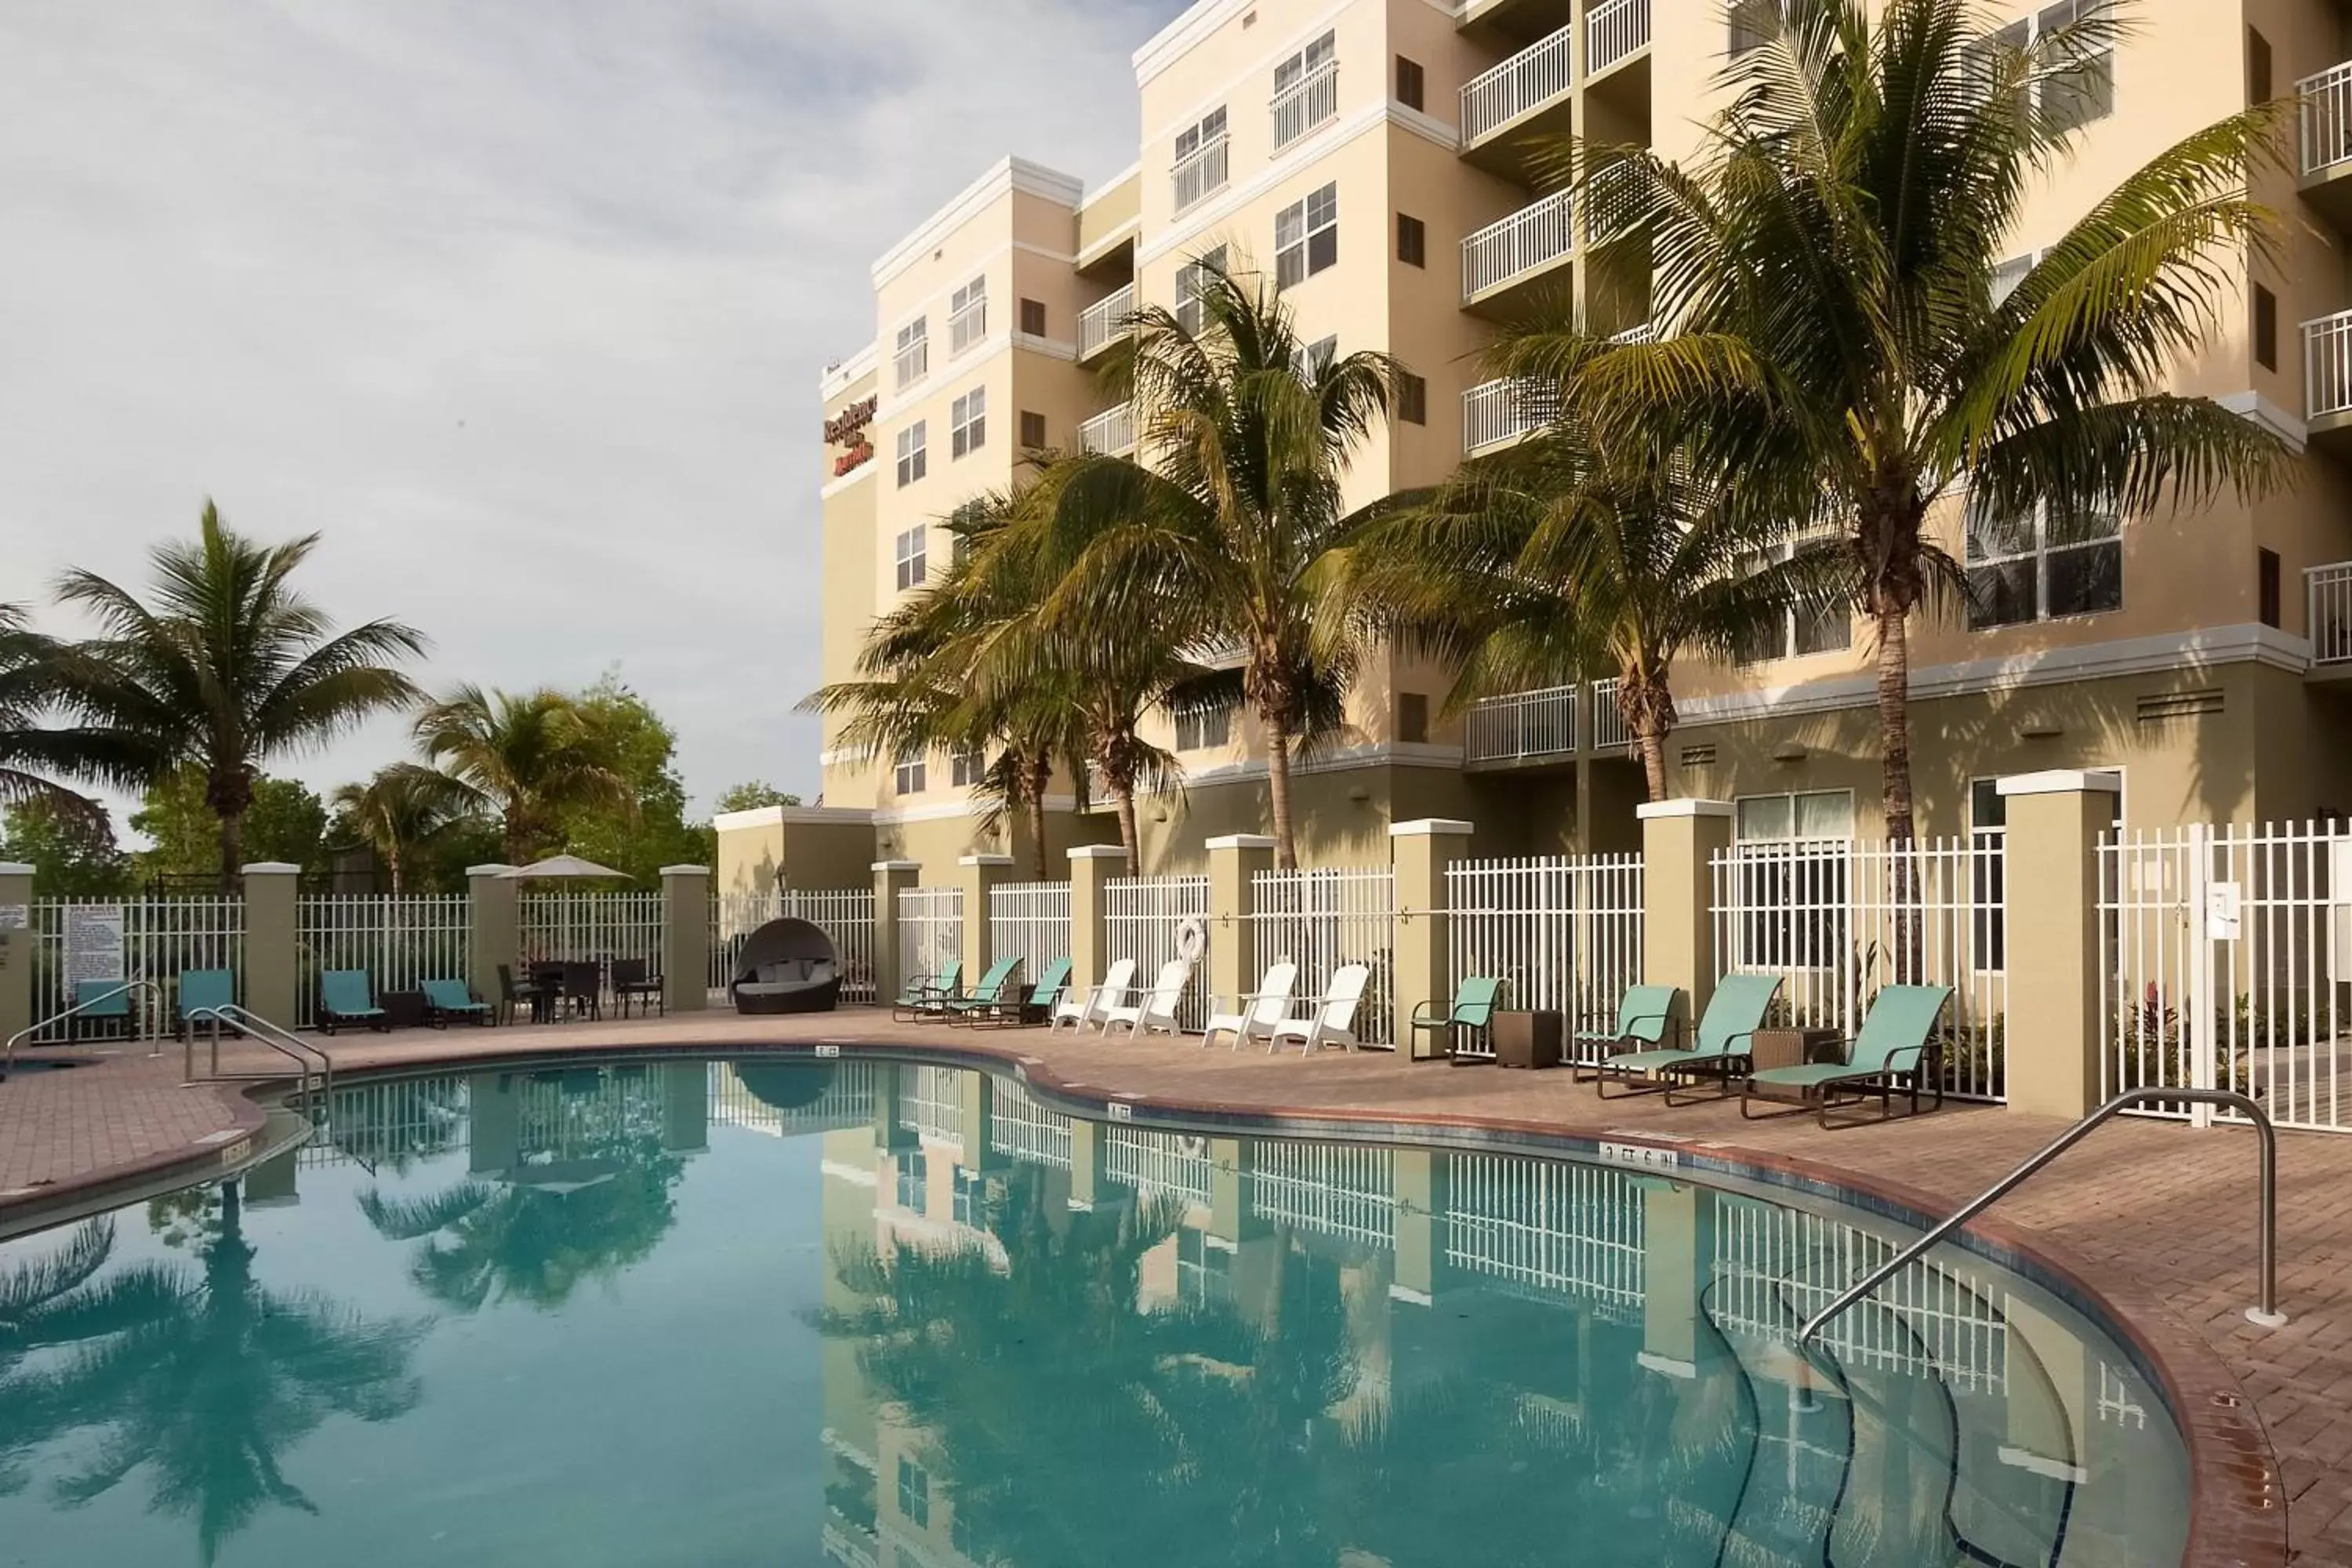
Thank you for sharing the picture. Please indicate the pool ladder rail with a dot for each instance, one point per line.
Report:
(150, 1034)
(307, 1056)
(2265, 1314)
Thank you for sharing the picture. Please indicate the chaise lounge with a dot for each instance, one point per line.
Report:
(1723, 1050)
(1896, 1048)
(787, 966)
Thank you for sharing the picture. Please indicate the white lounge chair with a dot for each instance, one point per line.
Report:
(1083, 1007)
(1256, 1015)
(1157, 1009)
(1333, 1022)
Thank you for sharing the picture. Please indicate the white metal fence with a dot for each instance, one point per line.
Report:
(1305, 104)
(582, 926)
(2328, 591)
(930, 931)
(1613, 31)
(1611, 737)
(2230, 951)
(1175, 1163)
(1565, 931)
(1838, 919)
(845, 914)
(2327, 365)
(160, 939)
(2326, 117)
(1554, 1225)
(1140, 918)
(1111, 433)
(930, 1102)
(1524, 725)
(1031, 919)
(1019, 1127)
(1102, 321)
(1320, 920)
(1535, 236)
(1538, 75)
(400, 943)
(1501, 411)
(1330, 1189)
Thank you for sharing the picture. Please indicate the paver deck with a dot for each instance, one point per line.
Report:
(2157, 1216)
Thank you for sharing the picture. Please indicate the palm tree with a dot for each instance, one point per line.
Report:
(525, 759)
(229, 667)
(403, 811)
(1824, 278)
(28, 678)
(1223, 535)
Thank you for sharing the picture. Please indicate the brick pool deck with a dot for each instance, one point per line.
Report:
(2155, 1218)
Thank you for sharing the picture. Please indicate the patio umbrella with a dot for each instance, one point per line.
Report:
(571, 866)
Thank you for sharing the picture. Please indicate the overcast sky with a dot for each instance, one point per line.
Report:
(521, 304)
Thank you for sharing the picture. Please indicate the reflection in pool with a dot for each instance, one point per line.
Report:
(704, 1314)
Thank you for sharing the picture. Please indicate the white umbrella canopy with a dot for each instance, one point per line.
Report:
(566, 866)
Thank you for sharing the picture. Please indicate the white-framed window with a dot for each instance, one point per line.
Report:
(911, 775)
(1315, 358)
(967, 316)
(2032, 566)
(1307, 237)
(961, 1204)
(1306, 62)
(1800, 631)
(1753, 22)
(912, 1178)
(913, 548)
(1192, 280)
(967, 422)
(1204, 159)
(966, 768)
(1780, 818)
(2079, 96)
(914, 358)
(1203, 726)
(913, 454)
(914, 1493)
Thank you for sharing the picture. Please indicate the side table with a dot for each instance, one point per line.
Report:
(1528, 1039)
(1794, 1048)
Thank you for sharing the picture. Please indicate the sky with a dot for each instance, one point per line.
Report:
(521, 306)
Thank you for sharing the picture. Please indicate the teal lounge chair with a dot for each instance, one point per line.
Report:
(1046, 994)
(201, 992)
(100, 1007)
(994, 991)
(1473, 1012)
(1645, 1013)
(1897, 1043)
(923, 996)
(344, 998)
(448, 999)
(1725, 1034)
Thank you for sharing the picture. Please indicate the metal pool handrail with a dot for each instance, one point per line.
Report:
(2266, 1314)
(8, 1052)
(282, 1040)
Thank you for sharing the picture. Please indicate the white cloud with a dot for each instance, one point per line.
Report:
(521, 305)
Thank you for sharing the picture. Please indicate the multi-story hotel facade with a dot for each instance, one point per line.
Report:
(1375, 156)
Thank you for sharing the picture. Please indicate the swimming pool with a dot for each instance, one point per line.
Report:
(688, 1312)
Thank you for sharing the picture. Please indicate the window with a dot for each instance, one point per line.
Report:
(1753, 22)
(912, 776)
(1032, 430)
(2084, 91)
(1307, 237)
(1413, 241)
(968, 315)
(1794, 862)
(2266, 587)
(913, 1176)
(914, 1493)
(1192, 280)
(1801, 631)
(1202, 726)
(914, 558)
(966, 768)
(2266, 328)
(1412, 398)
(1781, 819)
(1988, 875)
(913, 454)
(1412, 718)
(1204, 1271)
(1306, 62)
(2033, 567)
(1204, 159)
(1317, 357)
(1033, 318)
(2258, 67)
(962, 1204)
(1411, 84)
(914, 361)
(968, 423)
(1305, 91)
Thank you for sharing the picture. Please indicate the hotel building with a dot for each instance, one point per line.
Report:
(1373, 155)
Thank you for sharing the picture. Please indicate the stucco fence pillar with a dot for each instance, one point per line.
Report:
(2051, 1031)
(494, 931)
(1235, 861)
(1420, 962)
(1680, 839)
(274, 970)
(1092, 865)
(981, 875)
(17, 942)
(686, 939)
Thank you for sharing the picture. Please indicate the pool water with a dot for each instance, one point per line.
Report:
(719, 1313)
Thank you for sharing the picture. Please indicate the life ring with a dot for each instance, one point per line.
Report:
(1191, 939)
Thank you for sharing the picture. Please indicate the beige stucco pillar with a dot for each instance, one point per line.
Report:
(1680, 839)
(686, 938)
(273, 962)
(1678, 1263)
(1090, 1186)
(1234, 861)
(16, 946)
(979, 876)
(2051, 1026)
(978, 1150)
(1418, 942)
(1419, 1217)
(496, 936)
(686, 1107)
(891, 878)
(1092, 865)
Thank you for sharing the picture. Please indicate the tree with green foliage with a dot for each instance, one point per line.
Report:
(529, 759)
(649, 829)
(752, 797)
(30, 750)
(73, 853)
(403, 814)
(285, 822)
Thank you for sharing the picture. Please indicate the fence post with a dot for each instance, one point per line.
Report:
(494, 926)
(686, 939)
(981, 875)
(891, 878)
(1092, 865)
(2051, 1034)
(1234, 859)
(1417, 942)
(273, 958)
(18, 943)
(1680, 839)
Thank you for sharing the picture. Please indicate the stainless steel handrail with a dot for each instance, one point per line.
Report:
(8, 1052)
(278, 1038)
(2266, 1314)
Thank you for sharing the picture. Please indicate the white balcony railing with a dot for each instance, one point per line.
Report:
(1111, 433)
(1531, 238)
(2330, 598)
(1202, 172)
(1647, 332)
(1103, 322)
(1524, 725)
(1502, 411)
(2327, 365)
(1613, 201)
(2326, 117)
(1539, 74)
(1305, 104)
(1609, 731)
(1614, 32)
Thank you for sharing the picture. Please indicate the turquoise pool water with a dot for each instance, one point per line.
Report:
(713, 1314)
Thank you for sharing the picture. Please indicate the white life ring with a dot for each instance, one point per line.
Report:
(1191, 939)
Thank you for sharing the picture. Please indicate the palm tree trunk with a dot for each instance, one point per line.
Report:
(1895, 721)
(1277, 787)
(1651, 744)
(392, 863)
(1129, 839)
(232, 849)
(1040, 779)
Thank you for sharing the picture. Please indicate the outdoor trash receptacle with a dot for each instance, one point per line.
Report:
(1528, 1039)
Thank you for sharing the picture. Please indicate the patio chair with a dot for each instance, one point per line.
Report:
(1897, 1043)
(344, 998)
(1046, 994)
(994, 990)
(1333, 1022)
(1725, 1035)
(199, 992)
(1644, 1014)
(512, 995)
(448, 999)
(102, 1008)
(1082, 1006)
(1156, 1009)
(921, 995)
(583, 988)
(1256, 1015)
(634, 981)
(1473, 1012)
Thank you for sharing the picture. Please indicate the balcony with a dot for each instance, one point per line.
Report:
(1528, 94)
(1103, 324)
(2327, 379)
(1111, 433)
(1501, 412)
(1500, 260)
(1614, 34)
(1203, 173)
(1305, 104)
(1522, 727)
(2326, 143)
(2329, 597)
(1610, 735)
